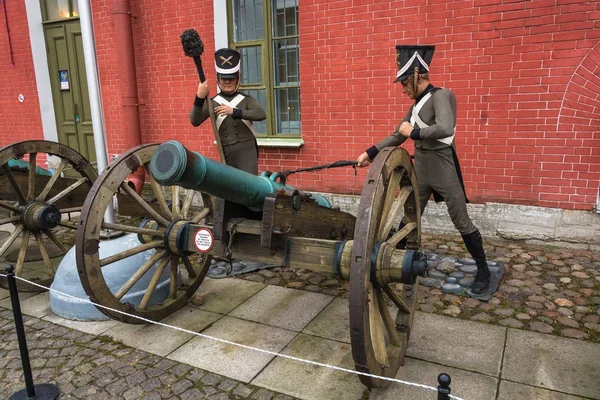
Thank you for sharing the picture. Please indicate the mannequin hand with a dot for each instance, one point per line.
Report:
(405, 129)
(203, 90)
(363, 160)
(223, 110)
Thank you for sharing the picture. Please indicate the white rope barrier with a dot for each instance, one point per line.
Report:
(78, 299)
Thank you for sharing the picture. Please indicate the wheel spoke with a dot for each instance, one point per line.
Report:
(42, 196)
(200, 215)
(44, 252)
(175, 198)
(402, 307)
(139, 273)
(173, 277)
(31, 176)
(71, 209)
(132, 229)
(188, 266)
(10, 219)
(68, 225)
(131, 252)
(402, 233)
(57, 242)
(388, 322)
(11, 239)
(395, 211)
(68, 190)
(22, 252)
(160, 195)
(10, 207)
(156, 216)
(187, 203)
(13, 182)
(153, 283)
(393, 184)
(375, 324)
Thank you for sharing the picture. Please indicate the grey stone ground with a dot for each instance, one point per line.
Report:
(544, 289)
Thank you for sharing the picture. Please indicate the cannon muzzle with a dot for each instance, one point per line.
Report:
(173, 164)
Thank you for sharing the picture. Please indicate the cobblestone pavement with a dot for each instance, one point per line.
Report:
(85, 366)
(544, 289)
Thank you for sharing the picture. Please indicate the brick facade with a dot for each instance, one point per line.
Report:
(526, 75)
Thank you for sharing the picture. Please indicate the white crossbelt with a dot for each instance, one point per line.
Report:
(420, 124)
(233, 104)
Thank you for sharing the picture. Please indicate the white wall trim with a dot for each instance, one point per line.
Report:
(220, 23)
(40, 66)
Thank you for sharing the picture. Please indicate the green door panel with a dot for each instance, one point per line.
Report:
(71, 105)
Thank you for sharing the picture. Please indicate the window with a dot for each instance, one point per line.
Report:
(59, 9)
(265, 32)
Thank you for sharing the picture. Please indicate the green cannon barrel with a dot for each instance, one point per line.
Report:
(173, 164)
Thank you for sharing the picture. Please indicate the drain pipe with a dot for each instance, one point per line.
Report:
(129, 92)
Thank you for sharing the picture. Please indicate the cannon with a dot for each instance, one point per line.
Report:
(283, 226)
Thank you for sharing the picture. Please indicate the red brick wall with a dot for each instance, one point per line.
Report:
(18, 121)
(525, 74)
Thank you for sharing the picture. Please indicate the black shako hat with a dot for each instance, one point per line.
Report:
(227, 62)
(409, 57)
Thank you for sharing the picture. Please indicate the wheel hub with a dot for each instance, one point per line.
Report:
(38, 216)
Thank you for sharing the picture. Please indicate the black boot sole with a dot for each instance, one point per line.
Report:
(487, 284)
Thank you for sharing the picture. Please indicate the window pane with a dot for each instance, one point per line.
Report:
(260, 127)
(247, 20)
(285, 18)
(75, 10)
(251, 65)
(288, 110)
(286, 58)
(57, 9)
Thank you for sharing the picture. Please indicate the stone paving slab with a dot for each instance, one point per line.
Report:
(283, 308)
(4, 294)
(223, 295)
(230, 360)
(91, 327)
(160, 340)
(464, 384)
(23, 297)
(332, 323)
(306, 381)
(559, 364)
(511, 391)
(468, 345)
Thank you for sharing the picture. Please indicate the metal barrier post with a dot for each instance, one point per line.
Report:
(444, 387)
(44, 391)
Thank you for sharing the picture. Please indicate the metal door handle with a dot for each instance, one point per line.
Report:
(76, 109)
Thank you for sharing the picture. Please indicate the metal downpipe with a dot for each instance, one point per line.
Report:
(129, 92)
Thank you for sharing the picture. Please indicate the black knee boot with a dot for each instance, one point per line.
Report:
(474, 245)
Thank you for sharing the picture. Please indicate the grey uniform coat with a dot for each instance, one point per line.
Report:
(239, 143)
(436, 163)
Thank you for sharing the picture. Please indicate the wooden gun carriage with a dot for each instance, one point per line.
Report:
(284, 227)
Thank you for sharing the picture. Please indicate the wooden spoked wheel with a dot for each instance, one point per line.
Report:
(42, 189)
(378, 340)
(150, 215)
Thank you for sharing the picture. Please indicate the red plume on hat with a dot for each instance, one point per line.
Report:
(409, 57)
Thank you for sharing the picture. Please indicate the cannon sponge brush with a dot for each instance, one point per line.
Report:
(192, 45)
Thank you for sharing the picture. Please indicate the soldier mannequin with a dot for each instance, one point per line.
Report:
(430, 123)
(234, 112)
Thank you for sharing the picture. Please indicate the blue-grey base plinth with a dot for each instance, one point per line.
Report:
(66, 280)
(43, 391)
(497, 271)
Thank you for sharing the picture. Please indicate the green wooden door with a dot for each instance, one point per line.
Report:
(69, 87)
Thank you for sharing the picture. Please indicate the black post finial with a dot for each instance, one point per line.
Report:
(444, 387)
(9, 269)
